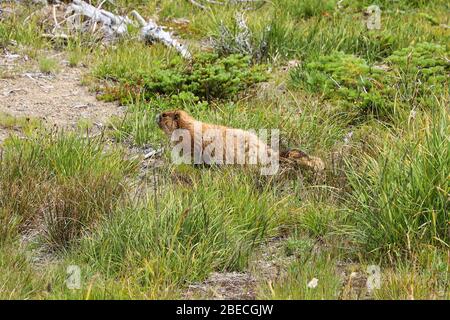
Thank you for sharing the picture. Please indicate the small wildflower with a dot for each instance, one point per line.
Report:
(313, 283)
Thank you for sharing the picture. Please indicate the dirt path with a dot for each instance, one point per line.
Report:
(57, 99)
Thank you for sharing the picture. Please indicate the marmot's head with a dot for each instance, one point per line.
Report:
(169, 121)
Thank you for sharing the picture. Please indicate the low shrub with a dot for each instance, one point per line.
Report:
(341, 76)
(405, 78)
(208, 77)
(419, 71)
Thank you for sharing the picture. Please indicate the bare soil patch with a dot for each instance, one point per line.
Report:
(268, 264)
(57, 99)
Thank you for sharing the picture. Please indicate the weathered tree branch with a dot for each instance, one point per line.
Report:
(117, 25)
(150, 31)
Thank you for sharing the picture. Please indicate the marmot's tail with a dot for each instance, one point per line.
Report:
(299, 157)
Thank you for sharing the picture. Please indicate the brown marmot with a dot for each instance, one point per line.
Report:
(237, 145)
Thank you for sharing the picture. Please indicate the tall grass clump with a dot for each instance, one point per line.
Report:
(211, 222)
(59, 185)
(321, 35)
(399, 200)
(426, 278)
(238, 38)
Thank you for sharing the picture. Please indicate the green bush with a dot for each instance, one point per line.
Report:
(294, 284)
(208, 77)
(406, 78)
(214, 77)
(341, 76)
(338, 74)
(420, 70)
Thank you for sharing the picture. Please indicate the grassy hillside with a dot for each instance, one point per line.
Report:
(373, 104)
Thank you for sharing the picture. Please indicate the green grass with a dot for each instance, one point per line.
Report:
(58, 184)
(400, 195)
(306, 9)
(48, 65)
(13, 29)
(425, 278)
(410, 78)
(212, 223)
(339, 32)
(17, 277)
(27, 124)
(294, 284)
(75, 57)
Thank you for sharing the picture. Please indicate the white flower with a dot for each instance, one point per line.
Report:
(313, 283)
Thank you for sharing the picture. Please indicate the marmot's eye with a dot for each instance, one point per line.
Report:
(176, 116)
(164, 114)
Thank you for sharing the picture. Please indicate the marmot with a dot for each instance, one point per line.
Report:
(243, 145)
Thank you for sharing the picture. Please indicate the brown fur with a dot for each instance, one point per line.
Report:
(169, 121)
(302, 159)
